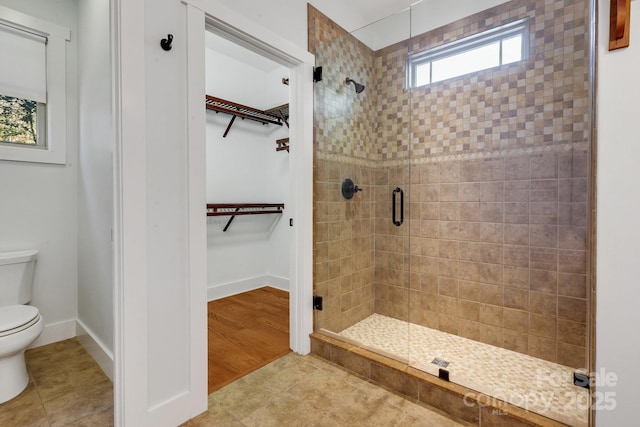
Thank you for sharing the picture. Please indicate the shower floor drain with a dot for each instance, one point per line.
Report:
(440, 362)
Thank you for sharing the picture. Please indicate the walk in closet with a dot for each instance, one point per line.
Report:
(248, 192)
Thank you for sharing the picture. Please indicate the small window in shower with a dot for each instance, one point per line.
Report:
(503, 45)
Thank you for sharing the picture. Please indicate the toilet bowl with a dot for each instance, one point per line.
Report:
(20, 324)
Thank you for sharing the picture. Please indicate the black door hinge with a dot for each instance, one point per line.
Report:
(317, 74)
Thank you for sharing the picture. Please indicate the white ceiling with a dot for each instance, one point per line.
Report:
(356, 14)
(377, 23)
(350, 15)
(423, 16)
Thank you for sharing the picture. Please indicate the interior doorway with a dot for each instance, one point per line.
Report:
(248, 193)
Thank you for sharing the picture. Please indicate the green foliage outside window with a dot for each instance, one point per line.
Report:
(18, 120)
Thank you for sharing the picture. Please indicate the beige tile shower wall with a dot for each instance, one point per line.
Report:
(498, 252)
(540, 101)
(344, 148)
(393, 130)
(392, 258)
(343, 245)
(344, 120)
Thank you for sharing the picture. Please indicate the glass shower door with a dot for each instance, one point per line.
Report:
(500, 129)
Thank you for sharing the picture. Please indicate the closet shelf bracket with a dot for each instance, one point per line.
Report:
(282, 112)
(282, 144)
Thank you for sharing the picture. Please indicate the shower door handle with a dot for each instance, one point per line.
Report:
(393, 207)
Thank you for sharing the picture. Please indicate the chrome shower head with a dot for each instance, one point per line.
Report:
(358, 86)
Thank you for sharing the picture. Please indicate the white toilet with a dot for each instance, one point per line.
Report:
(20, 324)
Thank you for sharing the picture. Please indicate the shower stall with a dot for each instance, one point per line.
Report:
(452, 195)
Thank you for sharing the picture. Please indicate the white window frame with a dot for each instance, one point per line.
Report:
(56, 107)
(475, 41)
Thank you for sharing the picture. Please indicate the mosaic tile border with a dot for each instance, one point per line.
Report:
(516, 152)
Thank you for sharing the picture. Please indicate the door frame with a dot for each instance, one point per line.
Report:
(210, 15)
(131, 265)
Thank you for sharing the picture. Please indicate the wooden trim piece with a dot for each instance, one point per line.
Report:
(619, 23)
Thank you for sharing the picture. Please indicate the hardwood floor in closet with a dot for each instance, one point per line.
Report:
(246, 332)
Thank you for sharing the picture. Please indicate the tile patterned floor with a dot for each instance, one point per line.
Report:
(307, 391)
(66, 388)
(537, 385)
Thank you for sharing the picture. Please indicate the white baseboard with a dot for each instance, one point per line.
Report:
(277, 282)
(224, 290)
(55, 332)
(96, 348)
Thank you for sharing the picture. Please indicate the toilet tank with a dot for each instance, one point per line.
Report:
(16, 276)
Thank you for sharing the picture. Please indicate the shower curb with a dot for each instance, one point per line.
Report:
(463, 404)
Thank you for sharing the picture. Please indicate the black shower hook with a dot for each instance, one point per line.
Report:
(166, 43)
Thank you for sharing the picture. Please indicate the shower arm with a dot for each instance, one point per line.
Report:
(358, 87)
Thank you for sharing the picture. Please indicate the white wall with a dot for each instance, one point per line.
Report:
(166, 197)
(39, 201)
(244, 167)
(155, 335)
(618, 229)
(95, 185)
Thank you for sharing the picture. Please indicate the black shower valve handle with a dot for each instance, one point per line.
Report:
(349, 189)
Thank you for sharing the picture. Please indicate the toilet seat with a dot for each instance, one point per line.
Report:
(16, 318)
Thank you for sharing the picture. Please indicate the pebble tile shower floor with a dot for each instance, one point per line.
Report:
(533, 384)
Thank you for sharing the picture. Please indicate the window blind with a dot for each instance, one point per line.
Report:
(23, 69)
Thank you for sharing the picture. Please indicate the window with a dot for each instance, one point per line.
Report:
(22, 122)
(23, 87)
(500, 46)
(32, 89)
